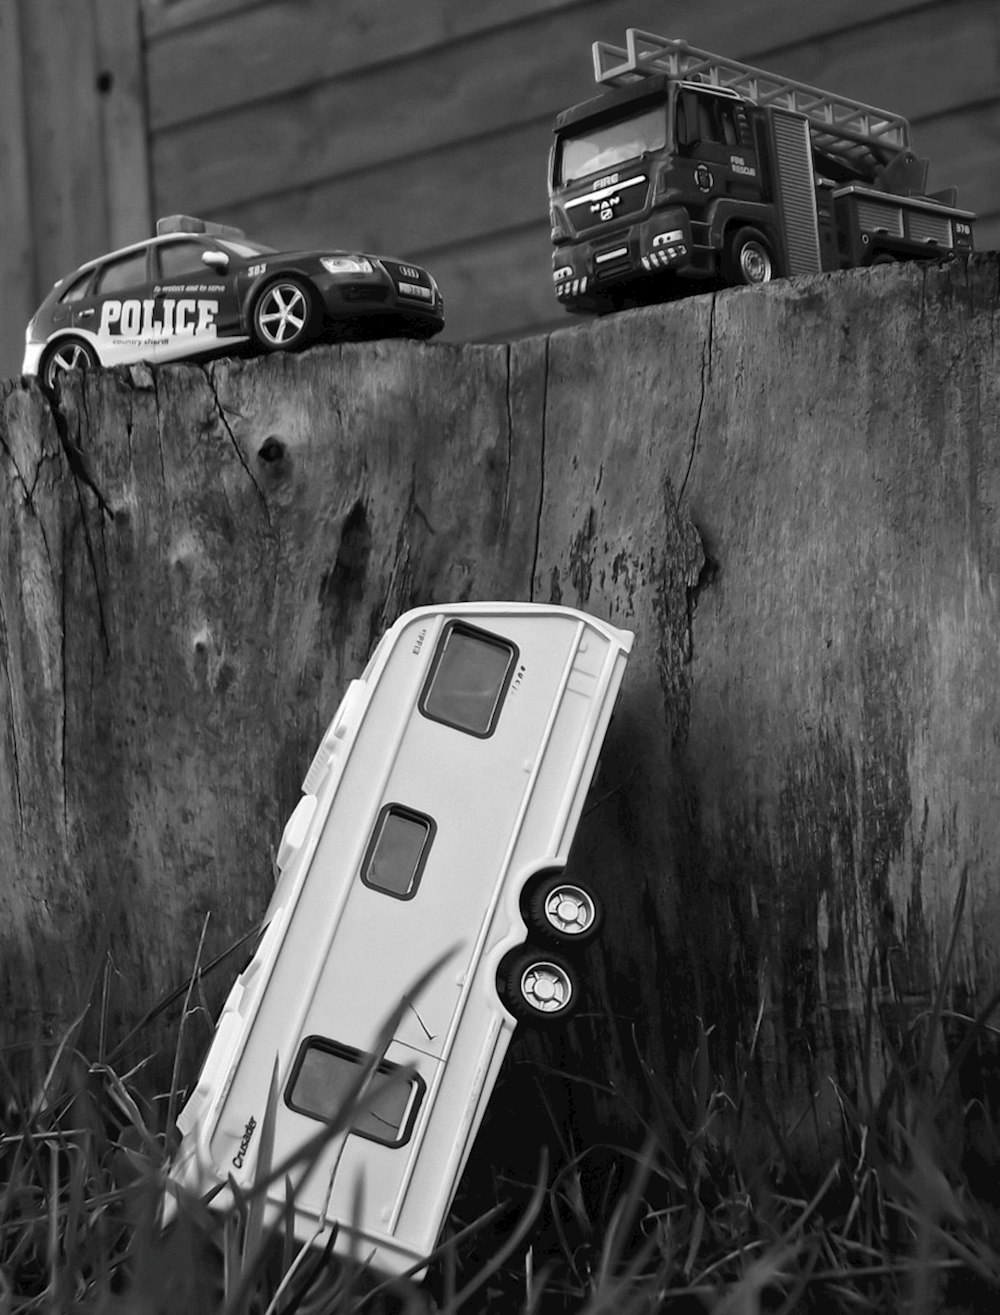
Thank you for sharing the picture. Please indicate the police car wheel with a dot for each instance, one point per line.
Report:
(66, 354)
(748, 258)
(283, 315)
(563, 912)
(539, 987)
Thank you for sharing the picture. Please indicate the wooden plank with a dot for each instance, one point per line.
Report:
(918, 64)
(393, 113)
(122, 110)
(488, 84)
(17, 272)
(273, 49)
(289, 45)
(160, 16)
(69, 209)
(466, 191)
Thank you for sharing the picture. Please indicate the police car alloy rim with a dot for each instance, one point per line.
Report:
(282, 314)
(546, 987)
(68, 354)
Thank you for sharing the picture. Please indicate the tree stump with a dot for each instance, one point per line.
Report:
(790, 494)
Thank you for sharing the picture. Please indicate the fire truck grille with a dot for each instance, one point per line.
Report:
(608, 204)
(932, 229)
(613, 263)
(874, 217)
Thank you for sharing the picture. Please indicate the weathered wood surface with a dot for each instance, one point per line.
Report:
(790, 494)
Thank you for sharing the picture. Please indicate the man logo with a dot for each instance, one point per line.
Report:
(606, 207)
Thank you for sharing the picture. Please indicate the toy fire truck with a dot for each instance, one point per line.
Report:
(694, 167)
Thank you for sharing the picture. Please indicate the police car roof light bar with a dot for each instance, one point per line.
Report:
(189, 224)
(839, 125)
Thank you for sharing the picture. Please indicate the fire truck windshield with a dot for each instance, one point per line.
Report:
(596, 150)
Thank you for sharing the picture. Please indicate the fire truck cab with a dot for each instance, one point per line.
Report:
(695, 167)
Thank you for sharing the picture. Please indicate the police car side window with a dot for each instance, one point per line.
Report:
(179, 258)
(119, 275)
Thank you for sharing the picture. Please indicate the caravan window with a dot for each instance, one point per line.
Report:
(468, 679)
(397, 851)
(324, 1075)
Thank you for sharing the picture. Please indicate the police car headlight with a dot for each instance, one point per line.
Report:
(346, 264)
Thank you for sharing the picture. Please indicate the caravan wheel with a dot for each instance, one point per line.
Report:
(563, 912)
(539, 987)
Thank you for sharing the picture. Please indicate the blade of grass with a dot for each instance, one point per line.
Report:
(515, 1239)
(944, 976)
(175, 1074)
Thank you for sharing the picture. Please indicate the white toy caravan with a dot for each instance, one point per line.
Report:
(436, 820)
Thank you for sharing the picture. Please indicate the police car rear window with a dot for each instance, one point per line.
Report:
(324, 1075)
(469, 678)
(78, 289)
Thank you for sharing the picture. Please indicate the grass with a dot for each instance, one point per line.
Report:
(711, 1213)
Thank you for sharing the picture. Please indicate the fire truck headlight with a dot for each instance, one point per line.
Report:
(565, 272)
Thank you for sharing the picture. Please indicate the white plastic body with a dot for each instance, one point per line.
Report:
(338, 955)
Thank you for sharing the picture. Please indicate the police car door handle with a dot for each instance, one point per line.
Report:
(81, 313)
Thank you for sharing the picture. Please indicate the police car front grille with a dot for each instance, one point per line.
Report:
(410, 282)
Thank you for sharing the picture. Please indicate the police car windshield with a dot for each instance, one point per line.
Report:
(599, 149)
(244, 249)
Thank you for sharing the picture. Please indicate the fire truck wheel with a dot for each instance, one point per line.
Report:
(66, 354)
(538, 986)
(284, 316)
(748, 259)
(563, 912)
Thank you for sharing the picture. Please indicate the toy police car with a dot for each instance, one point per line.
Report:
(200, 288)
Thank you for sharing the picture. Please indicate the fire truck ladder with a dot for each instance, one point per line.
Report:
(847, 129)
